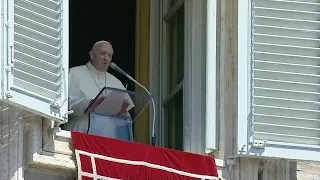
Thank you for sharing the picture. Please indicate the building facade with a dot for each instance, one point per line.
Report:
(237, 80)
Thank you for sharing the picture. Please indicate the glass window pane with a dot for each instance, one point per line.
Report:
(174, 122)
(172, 2)
(175, 49)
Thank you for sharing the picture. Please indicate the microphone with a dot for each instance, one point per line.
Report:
(115, 67)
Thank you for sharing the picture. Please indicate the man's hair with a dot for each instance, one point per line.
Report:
(98, 43)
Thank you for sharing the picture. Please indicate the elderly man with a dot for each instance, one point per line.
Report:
(86, 81)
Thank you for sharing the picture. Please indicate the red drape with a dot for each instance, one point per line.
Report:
(127, 160)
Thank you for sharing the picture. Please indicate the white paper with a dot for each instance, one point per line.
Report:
(111, 104)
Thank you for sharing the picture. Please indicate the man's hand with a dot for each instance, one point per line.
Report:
(96, 103)
(124, 107)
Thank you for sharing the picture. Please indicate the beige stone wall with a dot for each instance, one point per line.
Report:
(22, 152)
(308, 171)
(37, 174)
(13, 129)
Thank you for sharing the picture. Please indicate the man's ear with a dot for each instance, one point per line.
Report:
(91, 54)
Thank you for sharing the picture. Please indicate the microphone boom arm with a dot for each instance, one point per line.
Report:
(153, 138)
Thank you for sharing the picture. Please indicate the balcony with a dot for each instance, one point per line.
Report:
(53, 155)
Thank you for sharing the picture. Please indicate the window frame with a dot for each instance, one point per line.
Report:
(194, 75)
(166, 96)
(244, 141)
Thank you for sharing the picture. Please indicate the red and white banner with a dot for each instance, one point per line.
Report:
(107, 158)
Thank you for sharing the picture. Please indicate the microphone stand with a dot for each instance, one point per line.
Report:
(153, 138)
(115, 67)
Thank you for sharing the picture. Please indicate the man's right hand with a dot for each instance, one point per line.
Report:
(96, 103)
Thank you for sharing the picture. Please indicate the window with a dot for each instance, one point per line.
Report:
(172, 101)
(181, 83)
(279, 79)
(35, 56)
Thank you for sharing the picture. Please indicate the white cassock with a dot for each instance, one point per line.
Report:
(85, 82)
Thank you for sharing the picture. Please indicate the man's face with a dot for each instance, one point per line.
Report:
(101, 56)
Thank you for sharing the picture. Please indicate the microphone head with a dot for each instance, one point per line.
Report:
(113, 65)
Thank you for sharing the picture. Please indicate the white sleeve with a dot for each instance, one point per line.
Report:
(77, 101)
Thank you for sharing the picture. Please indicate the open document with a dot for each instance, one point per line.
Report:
(111, 104)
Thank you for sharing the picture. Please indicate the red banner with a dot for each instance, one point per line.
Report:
(107, 158)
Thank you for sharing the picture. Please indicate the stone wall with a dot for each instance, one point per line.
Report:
(22, 152)
(308, 171)
(13, 127)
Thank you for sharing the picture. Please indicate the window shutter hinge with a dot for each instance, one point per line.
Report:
(259, 144)
(8, 69)
(57, 105)
(9, 95)
(7, 24)
(66, 114)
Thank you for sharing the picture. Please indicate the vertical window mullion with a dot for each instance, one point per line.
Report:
(172, 103)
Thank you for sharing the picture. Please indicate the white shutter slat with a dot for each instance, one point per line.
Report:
(286, 76)
(287, 40)
(38, 79)
(286, 71)
(35, 61)
(42, 72)
(287, 120)
(286, 58)
(22, 38)
(35, 88)
(29, 32)
(285, 111)
(49, 18)
(280, 92)
(33, 50)
(279, 137)
(291, 50)
(286, 22)
(282, 130)
(35, 79)
(21, 20)
(50, 4)
(311, 7)
(298, 67)
(279, 13)
(41, 7)
(303, 1)
(34, 15)
(285, 31)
